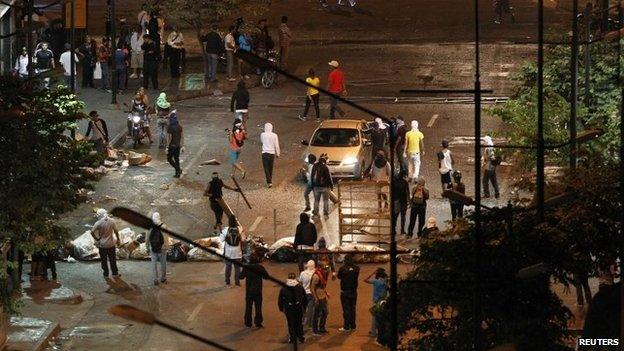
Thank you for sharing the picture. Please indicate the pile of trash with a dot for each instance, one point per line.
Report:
(116, 160)
(256, 247)
(212, 243)
(283, 250)
(83, 247)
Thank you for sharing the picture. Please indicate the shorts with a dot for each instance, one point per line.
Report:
(136, 60)
(445, 178)
(234, 154)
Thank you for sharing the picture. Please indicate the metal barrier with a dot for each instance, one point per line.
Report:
(364, 211)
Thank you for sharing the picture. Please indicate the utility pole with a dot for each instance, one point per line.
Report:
(540, 111)
(574, 84)
(114, 49)
(476, 286)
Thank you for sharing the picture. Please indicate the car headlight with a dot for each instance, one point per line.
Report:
(349, 161)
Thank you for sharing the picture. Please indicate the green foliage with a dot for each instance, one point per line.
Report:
(601, 111)
(40, 176)
(436, 295)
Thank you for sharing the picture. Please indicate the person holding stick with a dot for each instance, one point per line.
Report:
(215, 193)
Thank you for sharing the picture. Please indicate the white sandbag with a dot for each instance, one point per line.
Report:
(283, 250)
(361, 258)
(140, 253)
(84, 247)
(212, 241)
(126, 236)
(287, 241)
(197, 254)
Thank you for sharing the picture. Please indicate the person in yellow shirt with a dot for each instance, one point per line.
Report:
(414, 147)
(312, 95)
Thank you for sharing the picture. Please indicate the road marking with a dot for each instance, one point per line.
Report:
(432, 121)
(195, 312)
(256, 223)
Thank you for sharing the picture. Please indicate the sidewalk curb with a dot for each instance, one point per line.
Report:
(42, 343)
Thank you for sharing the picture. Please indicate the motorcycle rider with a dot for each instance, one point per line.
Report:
(139, 108)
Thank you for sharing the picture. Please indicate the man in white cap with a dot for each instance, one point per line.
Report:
(157, 245)
(336, 86)
(414, 147)
(106, 237)
(489, 162)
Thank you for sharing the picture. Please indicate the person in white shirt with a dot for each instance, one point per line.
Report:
(232, 239)
(21, 64)
(306, 278)
(230, 47)
(65, 61)
(270, 150)
(175, 40)
(136, 58)
(445, 165)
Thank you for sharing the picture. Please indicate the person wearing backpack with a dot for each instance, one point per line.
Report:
(292, 302)
(157, 246)
(237, 138)
(445, 165)
(322, 184)
(420, 195)
(490, 161)
(233, 249)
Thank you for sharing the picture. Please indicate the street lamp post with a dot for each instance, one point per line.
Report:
(114, 49)
(574, 83)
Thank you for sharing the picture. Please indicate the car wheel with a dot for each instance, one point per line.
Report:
(360, 175)
(268, 78)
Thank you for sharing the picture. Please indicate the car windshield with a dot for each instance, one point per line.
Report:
(336, 137)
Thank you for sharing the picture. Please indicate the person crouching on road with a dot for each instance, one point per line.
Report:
(305, 237)
(291, 301)
(253, 273)
(233, 249)
(215, 194)
(106, 237)
(157, 246)
(175, 143)
(348, 274)
(270, 150)
(305, 277)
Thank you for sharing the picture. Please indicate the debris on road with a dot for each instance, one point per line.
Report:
(177, 252)
(84, 247)
(164, 186)
(137, 159)
(182, 201)
(140, 253)
(283, 250)
(211, 162)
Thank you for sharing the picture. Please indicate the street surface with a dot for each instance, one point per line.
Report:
(407, 45)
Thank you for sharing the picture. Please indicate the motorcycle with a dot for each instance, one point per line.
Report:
(138, 125)
(268, 76)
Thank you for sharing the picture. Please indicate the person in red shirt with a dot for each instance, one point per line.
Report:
(336, 85)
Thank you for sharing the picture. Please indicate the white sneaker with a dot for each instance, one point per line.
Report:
(132, 76)
(141, 76)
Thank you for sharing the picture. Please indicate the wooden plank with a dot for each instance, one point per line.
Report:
(240, 190)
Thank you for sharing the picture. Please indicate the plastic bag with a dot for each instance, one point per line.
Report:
(255, 247)
(140, 253)
(197, 254)
(126, 236)
(84, 247)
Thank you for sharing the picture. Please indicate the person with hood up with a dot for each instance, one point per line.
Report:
(106, 237)
(400, 196)
(322, 184)
(305, 237)
(378, 136)
(414, 148)
(305, 277)
(232, 239)
(379, 171)
(253, 273)
(348, 274)
(175, 143)
(157, 245)
(292, 301)
(308, 187)
(270, 150)
(162, 113)
(490, 162)
(239, 104)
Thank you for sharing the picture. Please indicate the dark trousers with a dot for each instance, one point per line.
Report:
(417, 211)
(87, 76)
(121, 78)
(107, 255)
(457, 210)
(348, 301)
(400, 209)
(150, 71)
(314, 99)
(253, 299)
(333, 107)
(490, 177)
(295, 323)
(173, 157)
(267, 163)
(174, 63)
(51, 263)
(320, 316)
(218, 211)
(228, 272)
(402, 159)
(581, 284)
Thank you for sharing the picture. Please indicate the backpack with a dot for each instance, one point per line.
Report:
(233, 237)
(156, 240)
